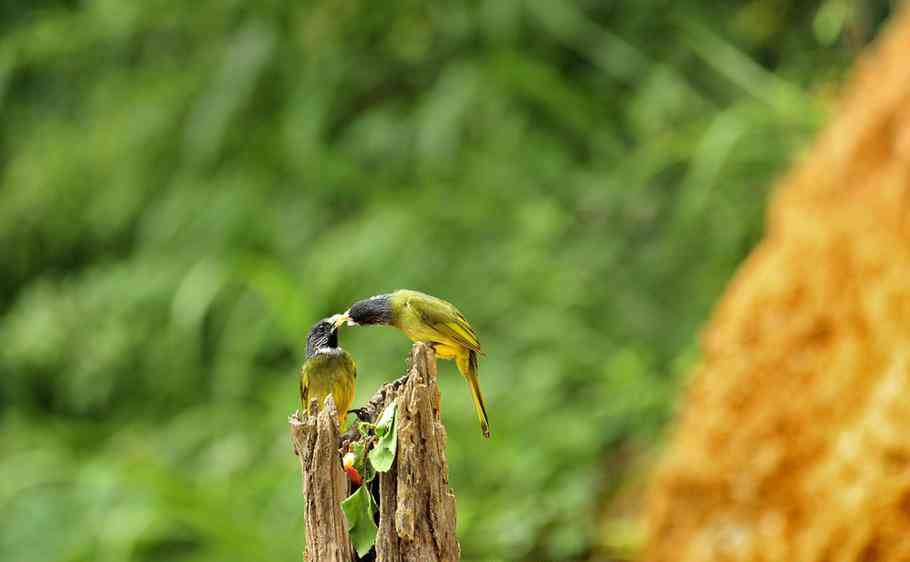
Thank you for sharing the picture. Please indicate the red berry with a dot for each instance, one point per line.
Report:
(353, 475)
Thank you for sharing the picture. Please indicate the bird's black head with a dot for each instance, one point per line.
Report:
(322, 335)
(374, 310)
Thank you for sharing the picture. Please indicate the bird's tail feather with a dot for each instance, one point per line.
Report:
(469, 370)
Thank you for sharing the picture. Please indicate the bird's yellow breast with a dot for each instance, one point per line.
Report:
(329, 373)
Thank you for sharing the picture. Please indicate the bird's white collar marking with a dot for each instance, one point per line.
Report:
(328, 351)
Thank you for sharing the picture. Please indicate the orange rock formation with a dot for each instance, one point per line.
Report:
(794, 440)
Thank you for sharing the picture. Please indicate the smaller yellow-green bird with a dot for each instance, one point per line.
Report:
(425, 318)
(328, 369)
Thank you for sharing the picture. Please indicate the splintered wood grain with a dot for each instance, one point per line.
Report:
(315, 438)
(417, 506)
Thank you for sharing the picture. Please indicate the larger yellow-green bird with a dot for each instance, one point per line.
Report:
(328, 369)
(428, 319)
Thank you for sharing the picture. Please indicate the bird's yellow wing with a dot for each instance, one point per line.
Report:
(445, 319)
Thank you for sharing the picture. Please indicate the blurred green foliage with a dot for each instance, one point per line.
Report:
(186, 188)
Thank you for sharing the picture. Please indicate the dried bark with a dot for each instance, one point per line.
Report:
(416, 506)
(315, 438)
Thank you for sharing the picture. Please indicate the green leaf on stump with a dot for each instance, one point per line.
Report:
(383, 454)
(358, 509)
(360, 461)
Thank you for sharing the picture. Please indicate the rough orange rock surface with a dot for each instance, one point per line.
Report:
(794, 439)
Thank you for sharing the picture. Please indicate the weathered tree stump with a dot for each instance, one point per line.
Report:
(315, 437)
(416, 506)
